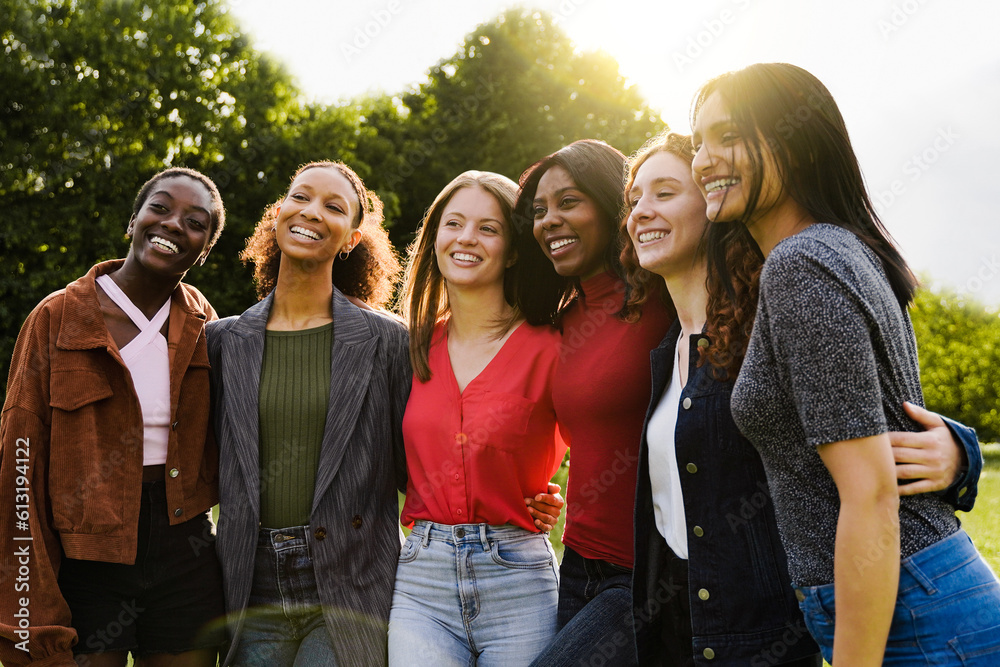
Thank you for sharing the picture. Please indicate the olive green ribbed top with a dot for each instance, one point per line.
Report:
(294, 394)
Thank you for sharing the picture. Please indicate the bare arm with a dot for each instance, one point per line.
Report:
(866, 557)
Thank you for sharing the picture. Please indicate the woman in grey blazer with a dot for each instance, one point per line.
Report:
(308, 393)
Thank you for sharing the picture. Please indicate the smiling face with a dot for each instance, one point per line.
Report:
(173, 228)
(316, 218)
(725, 171)
(666, 219)
(569, 226)
(472, 245)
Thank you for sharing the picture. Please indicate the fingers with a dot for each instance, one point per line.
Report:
(925, 418)
(903, 455)
(554, 488)
(920, 486)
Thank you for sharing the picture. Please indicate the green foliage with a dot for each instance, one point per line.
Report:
(959, 345)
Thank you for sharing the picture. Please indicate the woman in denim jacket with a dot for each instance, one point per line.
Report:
(711, 581)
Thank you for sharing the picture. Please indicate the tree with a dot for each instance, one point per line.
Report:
(959, 345)
(98, 96)
(517, 90)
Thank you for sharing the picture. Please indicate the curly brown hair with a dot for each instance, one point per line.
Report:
(732, 300)
(369, 272)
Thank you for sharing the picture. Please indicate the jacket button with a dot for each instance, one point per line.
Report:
(173, 427)
(963, 491)
(686, 403)
(178, 511)
(703, 594)
(692, 468)
(174, 472)
(708, 653)
(320, 533)
(703, 342)
(356, 521)
(698, 531)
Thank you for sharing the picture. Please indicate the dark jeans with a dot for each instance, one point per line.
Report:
(595, 615)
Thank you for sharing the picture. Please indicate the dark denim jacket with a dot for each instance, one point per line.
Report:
(743, 607)
(751, 615)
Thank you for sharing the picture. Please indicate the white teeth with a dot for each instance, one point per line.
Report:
(465, 257)
(651, 236)
(164, 243)
(302, 231)
(720, 184)
(561, 243)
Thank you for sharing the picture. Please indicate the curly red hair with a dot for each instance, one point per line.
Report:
(732, 303)
(369, 272)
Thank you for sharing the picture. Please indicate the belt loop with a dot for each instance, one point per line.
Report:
(427, 536)
(926, 582)
(483, 538)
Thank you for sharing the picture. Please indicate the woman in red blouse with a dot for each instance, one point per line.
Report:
(477, 580)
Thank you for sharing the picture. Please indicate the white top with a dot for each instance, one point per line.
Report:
(664, 475)
(148, 361)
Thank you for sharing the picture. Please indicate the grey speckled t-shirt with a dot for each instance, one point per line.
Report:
(832, 357)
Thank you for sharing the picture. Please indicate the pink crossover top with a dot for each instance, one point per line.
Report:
(473, 456)
(148, 361)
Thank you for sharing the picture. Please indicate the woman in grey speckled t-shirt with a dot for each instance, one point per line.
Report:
(831, 359)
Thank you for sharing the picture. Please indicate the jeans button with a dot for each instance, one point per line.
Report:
(460, 532)
(320, 533)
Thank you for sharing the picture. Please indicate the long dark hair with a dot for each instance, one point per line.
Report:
(791, 112)
(598, 170)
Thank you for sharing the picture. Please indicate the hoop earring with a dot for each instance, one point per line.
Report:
(344, 254)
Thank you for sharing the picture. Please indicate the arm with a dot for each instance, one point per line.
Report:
(30, 558)
(866, 557)
(545, 508)
(400, 380)
(945, 457)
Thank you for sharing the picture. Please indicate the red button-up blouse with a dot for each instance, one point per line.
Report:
(473, 456)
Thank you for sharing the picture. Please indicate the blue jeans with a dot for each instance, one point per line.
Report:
(947, 609)
(284, 620)
(472, 594)
(595, 615)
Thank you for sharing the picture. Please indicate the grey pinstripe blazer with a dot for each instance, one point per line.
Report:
(362, 463)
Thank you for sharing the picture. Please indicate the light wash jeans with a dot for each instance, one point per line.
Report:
(284, 624)
(947, 609)
(473, 594)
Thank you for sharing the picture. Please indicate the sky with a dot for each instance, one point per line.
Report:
(918, 82)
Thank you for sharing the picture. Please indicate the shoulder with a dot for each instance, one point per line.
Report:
(386, 325)
(195, 301)
(823, 253)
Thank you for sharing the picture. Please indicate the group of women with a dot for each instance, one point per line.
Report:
(715, 327)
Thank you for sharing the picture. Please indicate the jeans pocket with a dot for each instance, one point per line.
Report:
(978, 648)
(521, 554)
(411, 547)
(818, 611)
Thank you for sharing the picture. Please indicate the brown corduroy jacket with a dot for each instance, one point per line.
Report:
(71, 440)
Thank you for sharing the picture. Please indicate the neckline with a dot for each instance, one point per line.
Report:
(451, 369)
(601, 287)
